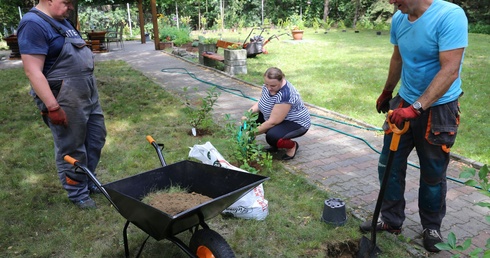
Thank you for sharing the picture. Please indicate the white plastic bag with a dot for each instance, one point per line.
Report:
(252, 205)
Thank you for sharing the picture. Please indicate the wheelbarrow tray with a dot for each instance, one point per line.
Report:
(224, 186)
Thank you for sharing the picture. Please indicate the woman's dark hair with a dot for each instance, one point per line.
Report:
(274, 73)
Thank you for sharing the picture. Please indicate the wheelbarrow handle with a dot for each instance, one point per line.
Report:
(157, 148)
(397, 132)
(92, 177)
(150, 139)
(70, 160)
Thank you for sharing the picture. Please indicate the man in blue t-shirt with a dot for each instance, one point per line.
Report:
(429, 38)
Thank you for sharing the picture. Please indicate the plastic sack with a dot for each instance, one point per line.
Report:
(252, 205)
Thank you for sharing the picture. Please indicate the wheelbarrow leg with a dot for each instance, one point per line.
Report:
(126, 244)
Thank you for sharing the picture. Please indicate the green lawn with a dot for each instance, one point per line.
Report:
(37, 220)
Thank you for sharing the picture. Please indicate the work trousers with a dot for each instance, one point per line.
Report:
(431, 134)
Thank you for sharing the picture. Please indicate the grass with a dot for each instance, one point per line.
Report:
(346, 71)
(37, 220)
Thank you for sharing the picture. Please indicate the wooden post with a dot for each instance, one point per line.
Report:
(156, 37)
(142, 21)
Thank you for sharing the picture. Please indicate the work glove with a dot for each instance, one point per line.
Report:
(400, 115)
(383, 102)
(57, 116)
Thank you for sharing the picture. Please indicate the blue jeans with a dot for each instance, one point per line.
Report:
(432, 135)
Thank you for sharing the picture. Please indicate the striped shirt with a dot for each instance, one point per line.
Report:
(287, 94)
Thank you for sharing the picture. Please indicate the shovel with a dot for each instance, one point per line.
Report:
(368, 248)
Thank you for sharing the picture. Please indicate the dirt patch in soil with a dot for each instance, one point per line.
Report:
(189, 48)
(174, 203)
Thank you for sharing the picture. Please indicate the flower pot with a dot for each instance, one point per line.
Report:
(297, 34)
(235, 61)
(13, 46)
(164, 45)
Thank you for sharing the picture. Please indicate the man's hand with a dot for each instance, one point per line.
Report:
(57, 116)
(383, 102)
(400, 115)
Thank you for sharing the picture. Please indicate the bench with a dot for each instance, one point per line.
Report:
(215, 56)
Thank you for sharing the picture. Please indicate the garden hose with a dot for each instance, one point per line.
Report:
(239, 93)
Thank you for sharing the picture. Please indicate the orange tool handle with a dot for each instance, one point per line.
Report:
(397, 132)
(70, 160)
(150, 139)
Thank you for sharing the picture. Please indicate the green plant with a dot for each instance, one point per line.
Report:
(179, 36)
(341, 25)
(327, 24)
(296, 22)
(316, 24)
(204, 40)
(482, 182)
(199, 115)
(234, 47)
(245, 150)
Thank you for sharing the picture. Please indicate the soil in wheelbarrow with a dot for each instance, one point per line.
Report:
(173, 203)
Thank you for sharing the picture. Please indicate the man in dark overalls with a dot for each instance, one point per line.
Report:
(60, 69)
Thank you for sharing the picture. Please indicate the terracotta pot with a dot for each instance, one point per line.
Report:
(297, 34)
(164, 45)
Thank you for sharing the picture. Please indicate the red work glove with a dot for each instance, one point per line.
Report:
(400, 115)
(57, 116)
(383, 102)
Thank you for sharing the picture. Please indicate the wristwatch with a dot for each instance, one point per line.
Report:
(417, 106)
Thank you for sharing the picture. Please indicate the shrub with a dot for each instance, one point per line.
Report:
(176, 35)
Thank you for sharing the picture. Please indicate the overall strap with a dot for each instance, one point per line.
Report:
(48, 19)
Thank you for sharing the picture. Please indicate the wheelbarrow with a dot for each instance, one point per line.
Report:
(257, 44)
(223, 186)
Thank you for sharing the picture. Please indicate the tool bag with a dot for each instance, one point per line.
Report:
(252, 205)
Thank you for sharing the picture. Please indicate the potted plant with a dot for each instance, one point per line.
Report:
(206, 45)
(166, 42)
(235, 59)
(297, 26)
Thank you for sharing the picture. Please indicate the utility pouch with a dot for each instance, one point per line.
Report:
(443, 124)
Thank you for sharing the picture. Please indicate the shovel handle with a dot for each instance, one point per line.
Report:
(70, 159)
(397, 132)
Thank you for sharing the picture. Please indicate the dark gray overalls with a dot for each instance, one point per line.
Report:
(73, 84)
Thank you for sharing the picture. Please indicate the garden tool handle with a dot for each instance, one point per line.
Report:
(150, 139)
(70, 159)
(397, 132)
(157, 148)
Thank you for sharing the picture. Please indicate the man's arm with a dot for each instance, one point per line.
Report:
(450, 65)
(395, 70)
(33, 67)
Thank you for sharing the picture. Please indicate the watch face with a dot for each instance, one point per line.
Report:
(417, 105)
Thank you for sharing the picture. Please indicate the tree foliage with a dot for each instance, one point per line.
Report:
(248, 13)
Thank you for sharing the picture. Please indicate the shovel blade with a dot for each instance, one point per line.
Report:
(367, 249)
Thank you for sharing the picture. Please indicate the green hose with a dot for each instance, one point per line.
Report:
(239, 93)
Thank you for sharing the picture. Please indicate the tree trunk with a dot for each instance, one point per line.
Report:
(74, 15)
(356, 16)
(326, 10)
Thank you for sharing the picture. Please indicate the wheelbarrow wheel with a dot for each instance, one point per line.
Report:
(208, 243)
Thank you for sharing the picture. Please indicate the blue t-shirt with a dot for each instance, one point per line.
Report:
(38, 37)
(287, 94)
(442, 27)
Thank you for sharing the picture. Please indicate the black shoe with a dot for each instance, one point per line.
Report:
(85, 204)
(431, 238)
(94, 190)
(286, 157)
(271, 149)
(366, 227)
